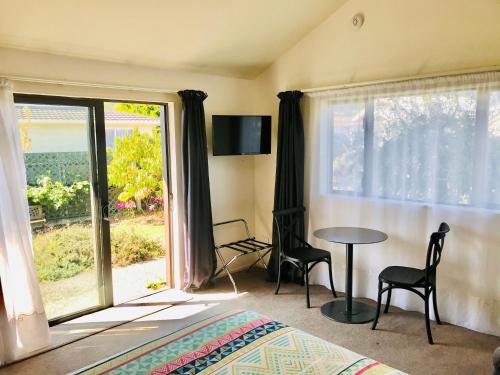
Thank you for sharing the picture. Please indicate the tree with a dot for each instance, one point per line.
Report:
(135, 166)
(141, 109)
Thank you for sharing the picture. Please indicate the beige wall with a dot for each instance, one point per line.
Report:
(231, 178)
(400, 38)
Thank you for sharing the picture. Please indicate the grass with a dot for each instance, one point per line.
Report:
(68, 295)
(80, 292)
(64, 259)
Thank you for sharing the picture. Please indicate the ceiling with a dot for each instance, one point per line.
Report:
(237, 38)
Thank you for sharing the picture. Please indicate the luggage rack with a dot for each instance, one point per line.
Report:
(246, 246)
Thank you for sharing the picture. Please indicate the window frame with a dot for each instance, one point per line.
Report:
(99, 195)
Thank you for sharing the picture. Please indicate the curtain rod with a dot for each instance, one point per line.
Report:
(495, 68)
(87, 84)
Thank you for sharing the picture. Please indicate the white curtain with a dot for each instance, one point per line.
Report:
(401, 158)
(23, 323)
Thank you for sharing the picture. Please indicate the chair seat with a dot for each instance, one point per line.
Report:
(406, 276)
(306, 254)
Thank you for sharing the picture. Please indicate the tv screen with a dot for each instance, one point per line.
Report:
(241, 135)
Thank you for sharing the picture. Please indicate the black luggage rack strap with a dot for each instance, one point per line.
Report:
(245, 246)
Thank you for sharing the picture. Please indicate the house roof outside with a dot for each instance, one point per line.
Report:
(50, 113)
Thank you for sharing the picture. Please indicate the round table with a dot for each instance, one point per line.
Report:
(347, 311)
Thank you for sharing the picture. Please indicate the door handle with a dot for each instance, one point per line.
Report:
(105, 211)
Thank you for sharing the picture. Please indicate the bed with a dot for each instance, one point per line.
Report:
(239, 342)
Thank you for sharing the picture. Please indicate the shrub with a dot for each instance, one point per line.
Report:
(128, 247)
(65, 252)
(59, 200)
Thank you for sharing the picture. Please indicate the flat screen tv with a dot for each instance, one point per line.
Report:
(241, 135)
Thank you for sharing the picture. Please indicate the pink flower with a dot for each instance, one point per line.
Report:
(130, 204)
(152, 207)
(120, 205)
(158, 200)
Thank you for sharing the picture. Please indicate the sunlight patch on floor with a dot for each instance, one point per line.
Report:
(215, 296)
(178, 312)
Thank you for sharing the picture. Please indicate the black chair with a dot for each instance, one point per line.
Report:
(296, 250)
(408, 278)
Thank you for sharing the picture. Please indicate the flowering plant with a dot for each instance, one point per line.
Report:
(130, 204)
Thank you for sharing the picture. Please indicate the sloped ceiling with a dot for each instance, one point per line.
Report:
(237, 38)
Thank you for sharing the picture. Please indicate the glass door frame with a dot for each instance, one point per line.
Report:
(99, 182)
(167, 180)
(99, 194)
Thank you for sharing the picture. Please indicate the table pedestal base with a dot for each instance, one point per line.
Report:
(361, 312)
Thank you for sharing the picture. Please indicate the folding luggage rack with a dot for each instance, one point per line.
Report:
(246, 246)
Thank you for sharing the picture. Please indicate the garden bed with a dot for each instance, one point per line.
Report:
(63, 252)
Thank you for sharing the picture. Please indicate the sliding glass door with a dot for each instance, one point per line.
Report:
(98, 198)
(67, 198)
(137, 191)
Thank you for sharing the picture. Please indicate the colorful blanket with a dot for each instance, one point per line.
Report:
(241, 342)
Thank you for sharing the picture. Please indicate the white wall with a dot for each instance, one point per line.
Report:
(231, 178)
(399, 39)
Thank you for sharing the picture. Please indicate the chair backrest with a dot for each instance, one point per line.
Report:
(288, 222)
(434, 250)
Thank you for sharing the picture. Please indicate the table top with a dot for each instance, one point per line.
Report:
(350, 235)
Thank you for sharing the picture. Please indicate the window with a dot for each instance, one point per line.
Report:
(493, 156)
(348, 147)
(438, 147)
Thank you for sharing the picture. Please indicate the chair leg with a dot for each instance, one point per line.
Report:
(434, 304)
(379, 302)
(331, 279)
(388, 301)
(427, 320)
(279, 279)
(306, 274)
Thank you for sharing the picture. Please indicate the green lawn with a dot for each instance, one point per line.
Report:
(152, 231)
(64, 259)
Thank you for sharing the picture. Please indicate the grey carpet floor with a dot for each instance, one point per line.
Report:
(400, 340)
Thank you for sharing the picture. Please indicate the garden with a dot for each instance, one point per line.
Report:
(64, 238)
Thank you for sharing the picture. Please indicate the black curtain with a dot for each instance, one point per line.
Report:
(199, 247)
(289, 185)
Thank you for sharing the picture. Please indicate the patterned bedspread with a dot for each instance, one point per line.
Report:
(240, 342)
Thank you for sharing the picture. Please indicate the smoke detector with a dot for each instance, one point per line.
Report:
(357, 20)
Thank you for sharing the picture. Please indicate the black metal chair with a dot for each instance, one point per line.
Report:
(296, 250)
(409, 278)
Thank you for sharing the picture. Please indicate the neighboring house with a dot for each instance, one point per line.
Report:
(46, 129)
(55, 141)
